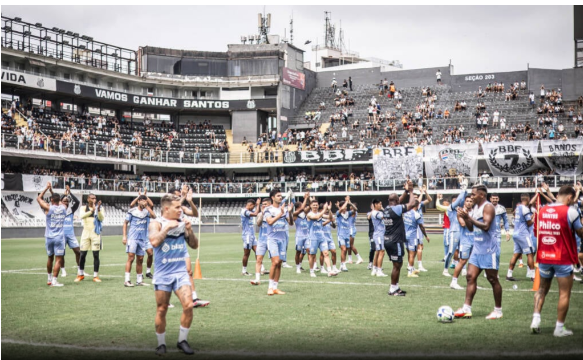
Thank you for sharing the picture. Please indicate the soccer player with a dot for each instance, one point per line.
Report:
(352, 248)
(289, 199)
(558, 224)
(343, 216)
(413, 225)
(443, 207)
(485, 254)
(523, 237)
(327, 226)
(500, 216)
(92, 216)
(370, 238)
(138, 218)
(317, 237)
(422, 205)
(249, 241)
(276, 216)
(395, 238)
(261, 242)
(302, 231)
(54, 235)
(185, 194)
(149, 251)
(69, 231)
(169, 236)
(377, 216)
(454, 229)
(466, 245)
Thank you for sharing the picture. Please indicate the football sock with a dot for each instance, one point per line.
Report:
(520, 262)
(95, 274)
(467, 308)
(559, 326)
(275, 285)
(270, 284)
(140, 278)
(394, 288)
(194, 295)
(454, 280)
(127, 277)
(358, 257)
(183, 334)
(509, 274)
(49, 277)
(420, 264)
(498, 310)
(244, 269)
(349, 257)
(148, 270)
(161, 338)
(257, 276)
(80, 272)
(54, 280)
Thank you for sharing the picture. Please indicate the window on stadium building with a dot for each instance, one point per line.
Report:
(161, 64)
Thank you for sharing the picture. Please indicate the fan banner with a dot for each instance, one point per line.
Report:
(12, 182)
(511, 158)
(442, 160)
(35, 182)
(325, 156)
(22, 205)
(397, 163)
(564, 157)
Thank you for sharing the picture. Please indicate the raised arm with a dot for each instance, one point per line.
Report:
(76, 202)
(438, 205)
(43, 204)
(259, 219)
(257, 205)
(191, 238)
(429, 198)
(290, 213)
(303, 205)
(193, 208)
(459, 200)
(412, 204)
(151, 212)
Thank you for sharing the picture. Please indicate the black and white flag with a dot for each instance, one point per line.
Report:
(453, 159)
(397, 163)
(565, 157)
(511, 158)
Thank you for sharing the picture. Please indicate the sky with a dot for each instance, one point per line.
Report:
(477, 39)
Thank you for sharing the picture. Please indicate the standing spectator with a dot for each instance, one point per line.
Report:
(438, 76)
(350, 83)
(334, 85)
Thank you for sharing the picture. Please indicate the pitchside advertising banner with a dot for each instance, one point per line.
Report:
(511, 158)
(28, 80)
(161, 102)
(564, 157)
(442, 160)
(294, 78)
(397, 163)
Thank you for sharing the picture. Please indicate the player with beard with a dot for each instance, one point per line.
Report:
(395, 237)
(485, 254)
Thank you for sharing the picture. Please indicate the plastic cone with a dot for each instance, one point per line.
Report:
(197, 272)
(536, 283)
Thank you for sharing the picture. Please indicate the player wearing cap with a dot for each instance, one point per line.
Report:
(558, 224)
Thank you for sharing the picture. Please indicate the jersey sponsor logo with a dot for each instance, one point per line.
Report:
(549, 240)
(172, 260)
(548, 255)
(548, 225)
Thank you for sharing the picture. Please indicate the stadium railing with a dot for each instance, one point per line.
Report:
(250, 189)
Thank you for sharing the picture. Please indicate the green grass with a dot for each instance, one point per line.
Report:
(350, 314)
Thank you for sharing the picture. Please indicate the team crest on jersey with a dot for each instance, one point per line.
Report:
(165, 248)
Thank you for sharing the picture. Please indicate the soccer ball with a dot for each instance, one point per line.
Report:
(445, 314)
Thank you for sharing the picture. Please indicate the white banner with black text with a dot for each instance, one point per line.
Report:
(564, 157)
(511, 158)
(397, 163)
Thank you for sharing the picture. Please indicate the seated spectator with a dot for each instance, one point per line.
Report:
(446, 114)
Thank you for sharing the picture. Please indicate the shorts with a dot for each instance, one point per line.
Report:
(249, 241)
(276, 248)
(453, 241)
(330, 243)
(316, 244)
(395, 251)
(136, 246)
(524, 245)
(353, 232)
(71, 241)
(91, 242)
(485, 261)
(378, 244)
(412, 244)
(548, 271)
(301, 244)
(344, 241)
(171, 282)
(55, 246)
(261, 248)
(466, 251)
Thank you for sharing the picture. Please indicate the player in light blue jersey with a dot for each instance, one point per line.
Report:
(149, 252)
(454, 229)
(302, 230)
(248, 232)
(72, 203)
(54, 234)
(413, 222)
(524, 241)
(377, 217)
(422, 205)
(169, 236)
(466, 246)
(317, 237)
(485, 254)
(261, 241)
(501, 216)
(329, 224)
(352, 222)
(136, 242)
(277, 217)
(343, 216)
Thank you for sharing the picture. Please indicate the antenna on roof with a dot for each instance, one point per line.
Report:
(291, 29)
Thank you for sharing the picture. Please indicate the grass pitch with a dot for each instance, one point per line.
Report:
(347, 316)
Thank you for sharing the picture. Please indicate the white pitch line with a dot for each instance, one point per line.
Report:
(320, 283)
(299, 354)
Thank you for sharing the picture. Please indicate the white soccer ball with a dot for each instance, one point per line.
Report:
(445, 314)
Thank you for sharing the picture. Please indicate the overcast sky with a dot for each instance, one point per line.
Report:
(477, 39)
